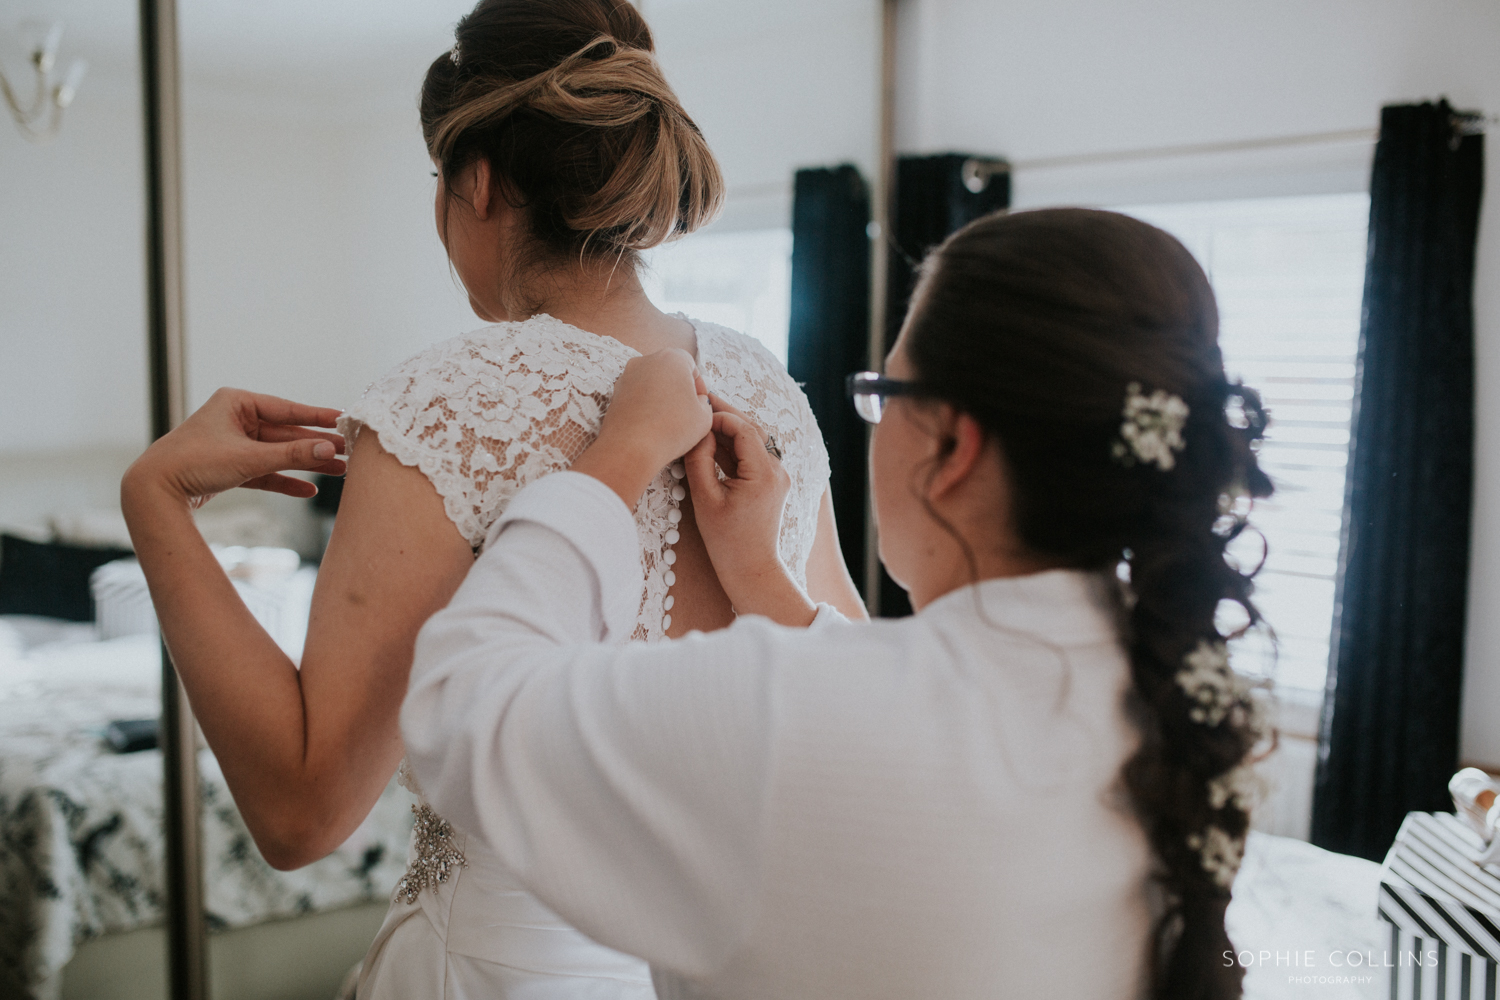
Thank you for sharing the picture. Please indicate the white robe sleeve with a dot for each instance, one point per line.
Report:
(624, 784)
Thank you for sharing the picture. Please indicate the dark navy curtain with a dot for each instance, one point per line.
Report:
(1389, 739)
(934, 196)
(830, 330)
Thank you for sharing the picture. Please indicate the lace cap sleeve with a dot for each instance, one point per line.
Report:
(483, 414)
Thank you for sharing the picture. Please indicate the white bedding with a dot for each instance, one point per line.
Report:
(80, 826)
(1304, 921)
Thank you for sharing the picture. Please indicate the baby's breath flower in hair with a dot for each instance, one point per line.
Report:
(1221, 854)
(1152, 429)
(1240, 787)
(1208, 681)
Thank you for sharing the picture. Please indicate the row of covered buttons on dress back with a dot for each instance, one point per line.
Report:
(672, 537)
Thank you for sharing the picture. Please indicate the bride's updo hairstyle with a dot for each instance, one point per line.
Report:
(566, 101)
(1046, 327)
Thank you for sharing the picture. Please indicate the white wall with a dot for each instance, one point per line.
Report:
(72, 291)
(312, 261)
(775, 85)
(72, 327)
(1034, 79)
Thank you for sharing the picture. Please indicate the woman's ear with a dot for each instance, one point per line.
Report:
(961, 446)
(482, 196)
(473, 187)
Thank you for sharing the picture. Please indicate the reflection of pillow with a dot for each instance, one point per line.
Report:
(243, 525)
(50, 579)
(12, 646)
(35, 631)
(93, 527)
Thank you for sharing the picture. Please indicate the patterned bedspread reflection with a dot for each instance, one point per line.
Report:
(80, 827)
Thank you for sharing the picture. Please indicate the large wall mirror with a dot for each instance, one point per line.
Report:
(312, 266)
(80, 822)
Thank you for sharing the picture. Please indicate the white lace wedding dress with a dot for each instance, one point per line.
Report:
(481, 415)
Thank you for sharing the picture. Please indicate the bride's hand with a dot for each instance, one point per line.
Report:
(239, 438)
(739, 516)
(659, 410)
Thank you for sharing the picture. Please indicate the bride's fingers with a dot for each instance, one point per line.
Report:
(307, 455)
(275, 410)
(276, 433)
(288, 485)
(310, 454)
(337, 467)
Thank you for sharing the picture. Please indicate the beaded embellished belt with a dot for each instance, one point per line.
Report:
(434, 857)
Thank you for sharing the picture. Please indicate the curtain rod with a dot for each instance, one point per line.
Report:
(1467, 122)
(1344, 136)
(979, 170)
(986, 167)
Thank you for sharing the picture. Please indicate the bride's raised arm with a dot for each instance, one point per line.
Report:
(306, 752)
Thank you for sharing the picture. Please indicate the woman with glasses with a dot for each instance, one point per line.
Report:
(1037, 786)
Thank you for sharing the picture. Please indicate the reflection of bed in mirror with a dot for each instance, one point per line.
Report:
(80, 824)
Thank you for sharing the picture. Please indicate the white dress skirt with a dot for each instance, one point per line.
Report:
(481, 935)
(481, 415)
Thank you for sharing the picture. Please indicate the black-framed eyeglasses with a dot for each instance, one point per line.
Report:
(870, 390)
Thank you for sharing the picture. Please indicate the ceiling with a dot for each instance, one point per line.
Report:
(353, 44)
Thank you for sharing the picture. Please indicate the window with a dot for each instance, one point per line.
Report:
(742, 280)
(1289, 276)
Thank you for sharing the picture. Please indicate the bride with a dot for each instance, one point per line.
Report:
(561, 153)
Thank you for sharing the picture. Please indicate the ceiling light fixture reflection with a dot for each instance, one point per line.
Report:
(41, 117)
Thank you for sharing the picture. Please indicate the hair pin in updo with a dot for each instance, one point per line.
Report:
(453, 54)
(1152, 430)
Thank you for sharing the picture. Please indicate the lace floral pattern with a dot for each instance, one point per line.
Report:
(483, 414)
(739, 369)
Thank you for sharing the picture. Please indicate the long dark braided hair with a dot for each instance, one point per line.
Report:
(1045, 326)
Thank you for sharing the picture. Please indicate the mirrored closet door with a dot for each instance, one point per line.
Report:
(81, 859)
(311, 267)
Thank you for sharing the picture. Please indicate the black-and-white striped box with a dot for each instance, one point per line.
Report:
(1444, 912)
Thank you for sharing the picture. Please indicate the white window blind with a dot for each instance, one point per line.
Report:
(1289, 277)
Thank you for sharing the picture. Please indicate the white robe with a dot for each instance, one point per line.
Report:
(927, 807)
